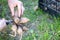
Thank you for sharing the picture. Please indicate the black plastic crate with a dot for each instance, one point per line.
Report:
(53, 6)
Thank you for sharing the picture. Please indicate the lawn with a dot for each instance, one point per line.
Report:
(42, 26)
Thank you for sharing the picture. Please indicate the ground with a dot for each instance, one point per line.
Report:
(42, 26)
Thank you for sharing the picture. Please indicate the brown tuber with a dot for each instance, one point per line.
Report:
(14, 28)
(25, 28)
(16, 20)
(22, 20)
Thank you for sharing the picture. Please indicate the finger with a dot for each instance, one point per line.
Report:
(23, 9)
(19, 8)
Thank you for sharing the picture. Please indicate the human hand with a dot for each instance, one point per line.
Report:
(12, 4)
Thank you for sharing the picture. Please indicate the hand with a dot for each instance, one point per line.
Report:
(12, 4)
(2, 24)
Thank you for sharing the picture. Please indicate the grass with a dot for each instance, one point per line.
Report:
(42, 26)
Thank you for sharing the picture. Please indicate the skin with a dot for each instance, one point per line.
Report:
(13, 3)
(2, 24)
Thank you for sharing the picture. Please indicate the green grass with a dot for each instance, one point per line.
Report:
(42, 26)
